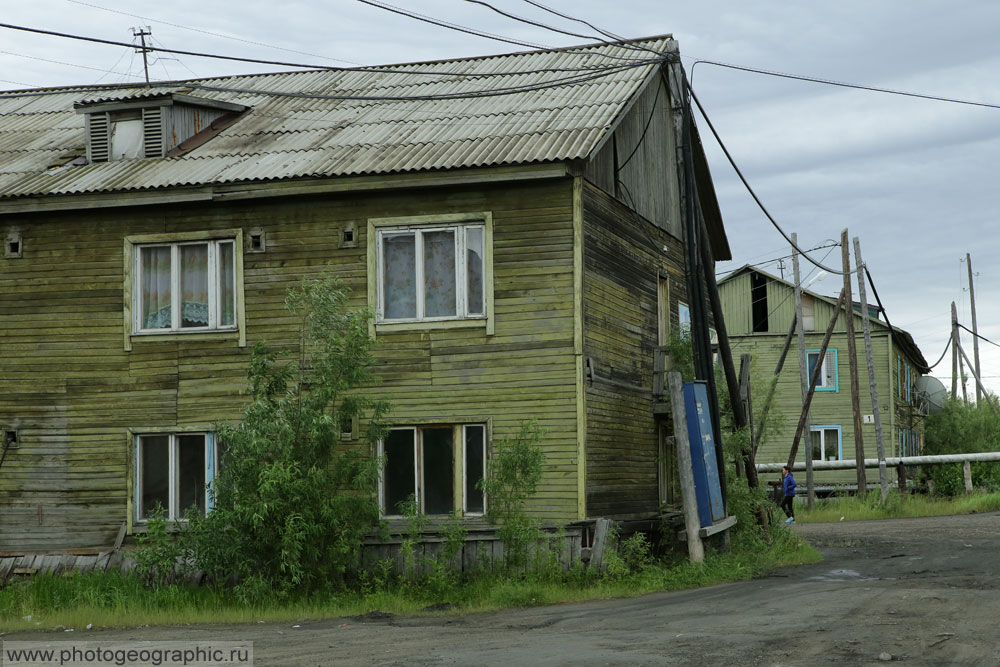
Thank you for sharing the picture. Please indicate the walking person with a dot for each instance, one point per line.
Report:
(788, 502)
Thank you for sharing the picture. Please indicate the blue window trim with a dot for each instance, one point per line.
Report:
(907, 383)
(836, 370)
(899, 377)
(840, 436)
(209, 472)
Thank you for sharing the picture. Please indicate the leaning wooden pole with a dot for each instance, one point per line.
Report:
(954, 351)
(852, 358)
(975, 328)
(883, 474)
(759, 433)
(800, 336)
(689, 499)
(815, 378)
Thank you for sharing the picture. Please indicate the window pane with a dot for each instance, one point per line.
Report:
(399, 470)
(475, 457)
(830, 442)
(194, 285)
(399, 276)
(817, 445)
(154, 486)
(474, 268)
(227, 285)
(191, 472)
(438, 470)
(830, 370)
(155, 297)
(126, 139)
(439, 274)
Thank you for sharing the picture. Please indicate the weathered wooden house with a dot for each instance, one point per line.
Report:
(759, 309)
(513, 221)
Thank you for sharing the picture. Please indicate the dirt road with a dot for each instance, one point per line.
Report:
(910, 591)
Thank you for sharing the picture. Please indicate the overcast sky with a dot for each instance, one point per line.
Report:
(912, 178)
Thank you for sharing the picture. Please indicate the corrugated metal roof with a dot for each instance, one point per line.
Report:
(287, 135)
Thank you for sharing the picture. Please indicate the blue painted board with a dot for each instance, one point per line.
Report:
(708, 488)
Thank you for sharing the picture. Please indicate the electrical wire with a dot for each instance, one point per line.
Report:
(946, 346)
(208, 32)
(978, 335)
(490, 92)
(607, 34)
(844, 84)
(560, 31)
(62, 62)
(652, 113)
(753, 194)
(776, 259)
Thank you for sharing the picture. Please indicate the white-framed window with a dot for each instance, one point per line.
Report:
(828, 377)
(826, 443)
(431, 272)
(684, 319)
(439, 465)
(173, 471)
(185, 286)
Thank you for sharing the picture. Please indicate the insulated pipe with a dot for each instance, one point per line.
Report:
(889, 461)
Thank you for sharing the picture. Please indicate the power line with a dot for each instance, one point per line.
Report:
(450, 26)
(844, 84)
(607, 34)
(208, 32)
(62, 62)
(946, 346)
(753, 194)
(521, 19)
(98, 40)
(775, 259)
(978, 335)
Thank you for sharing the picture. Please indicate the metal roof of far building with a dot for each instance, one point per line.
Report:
(327, 123)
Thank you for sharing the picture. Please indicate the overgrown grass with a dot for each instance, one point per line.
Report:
(870, 506)
(118, 600)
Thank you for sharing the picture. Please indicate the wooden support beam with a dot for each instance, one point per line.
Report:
(774, 383)
(883, 474)
(967, 475)
(975, 328)
(852, 358)
(815, 378)
(800, 337)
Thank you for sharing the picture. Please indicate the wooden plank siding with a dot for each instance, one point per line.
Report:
(623, 260)
(73, 391)
(829, 408)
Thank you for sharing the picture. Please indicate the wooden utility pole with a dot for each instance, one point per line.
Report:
(852, 357)
(883, 474)
(954, 351)
(815, 378)
(696, 550)
(803, 381)
(975, 328)
(759, 433)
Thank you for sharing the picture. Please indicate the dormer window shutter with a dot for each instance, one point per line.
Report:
(152, 131)
(99, 140)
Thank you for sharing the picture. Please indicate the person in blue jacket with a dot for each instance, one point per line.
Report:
(788, 502)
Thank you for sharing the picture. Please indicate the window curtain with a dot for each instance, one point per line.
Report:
(439, 274)
(474, 268)
(399, 276)
(194, 285)
(155, 306)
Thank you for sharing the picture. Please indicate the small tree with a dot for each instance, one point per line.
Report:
(512, 476)
(292, 505)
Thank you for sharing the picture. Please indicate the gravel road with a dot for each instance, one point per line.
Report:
(909, 591)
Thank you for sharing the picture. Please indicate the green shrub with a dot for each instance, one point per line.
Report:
(960, 429)
(512, 476)
(292, 504)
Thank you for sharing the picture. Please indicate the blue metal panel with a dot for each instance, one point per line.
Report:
(705, 466)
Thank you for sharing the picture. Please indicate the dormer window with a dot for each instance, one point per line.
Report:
(154, 126)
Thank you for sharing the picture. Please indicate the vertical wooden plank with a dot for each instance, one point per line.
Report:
(581, 393)
(600, 541)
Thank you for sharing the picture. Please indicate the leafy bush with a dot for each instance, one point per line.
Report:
(959, 429)
(292, 504)
(512, 476)
(156, 558)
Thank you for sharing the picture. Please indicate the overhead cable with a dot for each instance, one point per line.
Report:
(946, 346)
(208, 32)
(753, 194)
(978, 335)
(607, 34)
(844, 84)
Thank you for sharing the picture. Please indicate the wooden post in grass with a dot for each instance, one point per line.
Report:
(696, 550)
(883, 475)
(967, 474)
(800, 336)
(852, 358)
